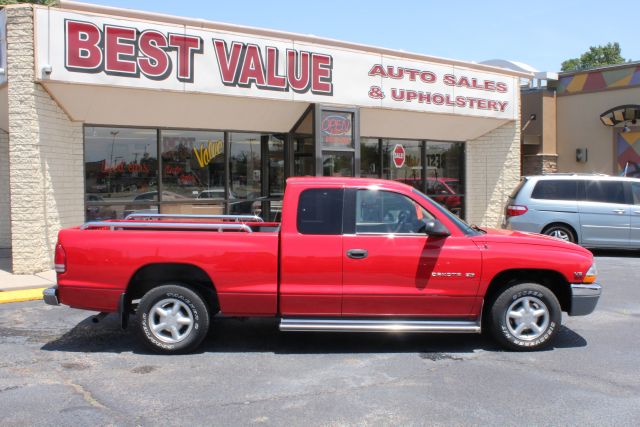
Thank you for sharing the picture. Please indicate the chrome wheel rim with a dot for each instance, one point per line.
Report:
(170, 320)
(527, 318)
(560, 234)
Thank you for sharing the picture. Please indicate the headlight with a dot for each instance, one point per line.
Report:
(591, 274)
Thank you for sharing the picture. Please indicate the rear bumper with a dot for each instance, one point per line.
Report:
(584, 298)
(50, 295)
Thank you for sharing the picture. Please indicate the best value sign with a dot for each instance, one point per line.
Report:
(103, 50)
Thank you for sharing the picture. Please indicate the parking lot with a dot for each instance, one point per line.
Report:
(58, 367)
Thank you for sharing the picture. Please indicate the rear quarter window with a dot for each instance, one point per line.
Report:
(320, 211)
(555, 190)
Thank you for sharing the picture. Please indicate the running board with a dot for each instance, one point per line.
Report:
(348, 325)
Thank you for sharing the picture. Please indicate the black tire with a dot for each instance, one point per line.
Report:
(538, 330)
(186, 312)
(562, 232)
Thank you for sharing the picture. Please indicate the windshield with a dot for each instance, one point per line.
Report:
(463, 226)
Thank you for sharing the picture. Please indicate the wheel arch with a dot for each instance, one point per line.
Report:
(550, 279)
(153, 275)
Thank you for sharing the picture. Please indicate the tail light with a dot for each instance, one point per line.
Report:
(60, 260)
(516, 210)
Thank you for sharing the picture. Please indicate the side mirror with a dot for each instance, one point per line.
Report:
(435, 228)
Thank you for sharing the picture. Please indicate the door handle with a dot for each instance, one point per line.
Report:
(357, 253)
(618, 211)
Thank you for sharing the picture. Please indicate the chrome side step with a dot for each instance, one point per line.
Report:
(355, 325)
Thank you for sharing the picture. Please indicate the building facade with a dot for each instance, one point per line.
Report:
(105, 112)
(586, 122)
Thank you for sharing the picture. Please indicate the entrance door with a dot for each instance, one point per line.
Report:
(388, 264)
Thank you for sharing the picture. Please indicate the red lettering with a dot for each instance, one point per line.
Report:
(501, 87)
(491, 105)
(412, 74)
(298, 64)
(427, 77)
(274, 80)
(119, 50)
(82, 50)
(377, 70)
(228, 61)
(252, 68)
(154, 63)
(449, 79)
(321, 73)
(397, 94)
(187, 47)
(490, 85)
(399, 73)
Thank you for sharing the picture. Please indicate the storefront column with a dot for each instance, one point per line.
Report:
(492, 171)
(5, 206)
(45, 155)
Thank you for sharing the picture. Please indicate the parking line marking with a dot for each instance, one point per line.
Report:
(21, 296)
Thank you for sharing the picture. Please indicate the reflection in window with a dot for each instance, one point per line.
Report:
(121, 165)
(445, 173)
(192, 165)
(369, 158)
(337, 163)
(387, 212)
(410, 172)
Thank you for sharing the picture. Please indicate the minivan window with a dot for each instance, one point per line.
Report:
(635, 189)
(604, 191)
(320, 211)
(516, 190)
(559, 189)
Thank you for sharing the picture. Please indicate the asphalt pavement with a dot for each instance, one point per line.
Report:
(58, 367)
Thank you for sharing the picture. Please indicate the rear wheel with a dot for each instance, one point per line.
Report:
(172, 318)
(561, 232)
(525, 317)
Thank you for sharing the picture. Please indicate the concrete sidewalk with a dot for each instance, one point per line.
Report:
(22, 287)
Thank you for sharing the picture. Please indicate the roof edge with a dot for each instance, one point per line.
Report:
(213, 25)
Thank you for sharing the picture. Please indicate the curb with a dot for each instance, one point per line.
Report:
(21, 295)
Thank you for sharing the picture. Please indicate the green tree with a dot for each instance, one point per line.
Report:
(43, 2)
(596, 56)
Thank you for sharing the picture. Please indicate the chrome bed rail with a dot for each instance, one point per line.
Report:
(236, 218)
(167, 225)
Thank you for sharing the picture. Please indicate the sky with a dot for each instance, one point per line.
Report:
(542, 33)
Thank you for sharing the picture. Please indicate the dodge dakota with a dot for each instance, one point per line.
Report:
(350, 255)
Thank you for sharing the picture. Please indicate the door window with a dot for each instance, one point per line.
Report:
(387, 212)
(605, 191)
(635, 190)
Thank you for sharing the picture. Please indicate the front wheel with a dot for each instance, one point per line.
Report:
(172, 318)
(561, 232)
(525, 317)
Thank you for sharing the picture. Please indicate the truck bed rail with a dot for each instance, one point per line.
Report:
(113, 225)
(236, 218)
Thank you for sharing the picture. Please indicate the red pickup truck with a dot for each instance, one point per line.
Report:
(350, 255)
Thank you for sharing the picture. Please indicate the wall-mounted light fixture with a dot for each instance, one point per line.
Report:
(532, 117)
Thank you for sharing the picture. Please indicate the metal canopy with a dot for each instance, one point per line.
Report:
(621, 114)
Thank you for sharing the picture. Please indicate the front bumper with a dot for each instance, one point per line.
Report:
(584, 298)
(50, 295)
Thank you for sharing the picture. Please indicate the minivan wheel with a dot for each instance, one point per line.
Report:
(561, 232)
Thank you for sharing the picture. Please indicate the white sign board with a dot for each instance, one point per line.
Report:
(102, 50)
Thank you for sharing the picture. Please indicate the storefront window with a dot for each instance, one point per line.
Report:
(336, 129)
(337, 163)
(369, 158)
(245, 171)
(445, 174)
(121, 171)
(402, 161)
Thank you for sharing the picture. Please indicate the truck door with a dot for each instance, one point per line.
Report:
(311, 252)
(391, 268)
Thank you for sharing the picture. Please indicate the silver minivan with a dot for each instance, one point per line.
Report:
(591, 210)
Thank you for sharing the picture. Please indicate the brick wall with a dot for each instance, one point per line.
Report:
(45, 155)
(492, 172)
(5, 213)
